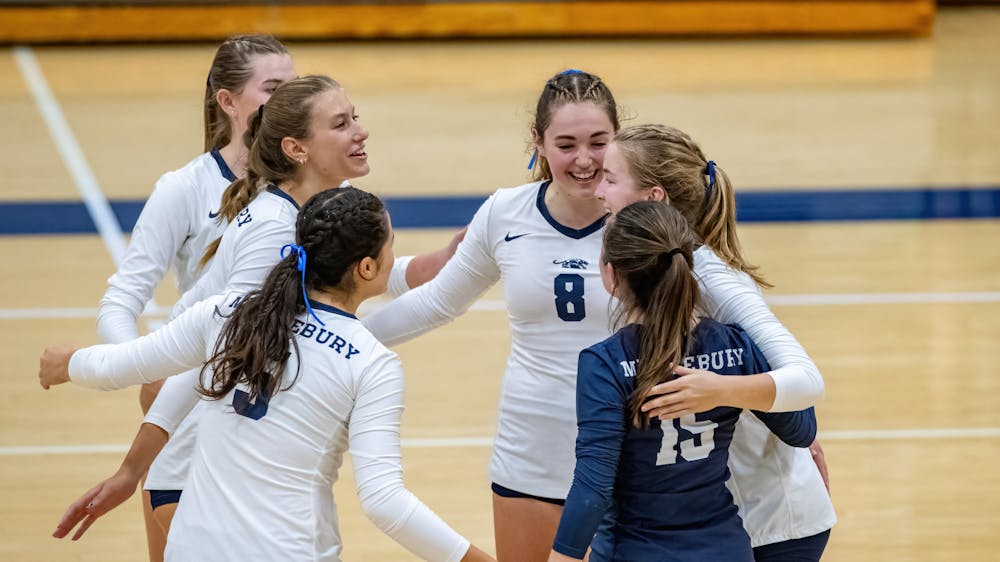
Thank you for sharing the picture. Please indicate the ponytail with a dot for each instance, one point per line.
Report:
(650, 246)
(239, 194)
(255, 342)
(716, 226)
(667, 157)
(666, 328)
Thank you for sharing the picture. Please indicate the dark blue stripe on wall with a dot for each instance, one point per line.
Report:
(443, 212)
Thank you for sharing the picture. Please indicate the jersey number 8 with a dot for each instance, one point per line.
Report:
(569, 297)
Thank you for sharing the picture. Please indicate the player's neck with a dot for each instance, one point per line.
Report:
(574, 212)
(235, 156)
(302, 189)
(342, 300)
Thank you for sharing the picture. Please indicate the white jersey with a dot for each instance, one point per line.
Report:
(261, 478)
(177, 223)
(534, 448)
(249, 249)
(779, 491)
(556, 306)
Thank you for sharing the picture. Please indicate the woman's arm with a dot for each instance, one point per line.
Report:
(175, 348)
(793, 381)
(159, 233)
(600, 411)
(460, 282)
(374, 448)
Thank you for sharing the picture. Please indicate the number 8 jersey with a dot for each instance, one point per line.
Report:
(556, 306)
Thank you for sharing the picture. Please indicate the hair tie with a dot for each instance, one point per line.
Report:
(260, 112)
(301, 266)
(534, 158)
(667, 258)
(571, 71)
(710, 172)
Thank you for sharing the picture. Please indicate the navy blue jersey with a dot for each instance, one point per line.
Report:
(659, 493)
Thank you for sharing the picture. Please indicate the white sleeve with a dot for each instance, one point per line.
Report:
(466, 276)
(397, 277)
(177, 397)
(176, 347)
(160, 232)
(732, 297)
(378, 471)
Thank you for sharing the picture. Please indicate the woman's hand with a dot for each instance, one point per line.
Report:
(96, 502)
(53, 367)
(693, 391)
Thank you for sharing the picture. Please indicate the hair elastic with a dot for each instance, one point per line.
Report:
(260, 112)
(667, 257)
(301, 266)
(710, 171)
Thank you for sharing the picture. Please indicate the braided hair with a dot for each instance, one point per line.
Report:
(337, 228)
(570, 86)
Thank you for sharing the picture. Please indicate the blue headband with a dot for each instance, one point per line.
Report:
(301, 266)
(571, 71)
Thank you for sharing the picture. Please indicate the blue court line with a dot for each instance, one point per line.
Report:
(71, 217)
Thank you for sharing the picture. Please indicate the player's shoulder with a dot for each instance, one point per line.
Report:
(709, 329)
(198, 177)
(507, 198)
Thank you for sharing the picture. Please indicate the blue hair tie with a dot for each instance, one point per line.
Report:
(571, 71)
(301, 266)
(534, 158)
(710, 170)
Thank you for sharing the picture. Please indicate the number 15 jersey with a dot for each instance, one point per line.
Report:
(556, 306)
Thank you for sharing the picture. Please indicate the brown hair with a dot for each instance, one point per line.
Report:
(288, 113)
(651, 248)
(569, 86)
(337, 228)
(231, 69)
(667, 157)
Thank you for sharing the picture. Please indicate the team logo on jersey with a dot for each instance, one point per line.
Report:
(574, 263)
(508, 237)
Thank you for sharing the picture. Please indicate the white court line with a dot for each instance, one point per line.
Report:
(97, 205)
(154, 311)
(478, 442)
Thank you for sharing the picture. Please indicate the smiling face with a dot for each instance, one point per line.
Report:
(335, 149)
(574, 144)
(618, 187)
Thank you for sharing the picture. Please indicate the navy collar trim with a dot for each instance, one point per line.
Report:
(223, 167)
(565, 230)
(331, 309)
(277, 191)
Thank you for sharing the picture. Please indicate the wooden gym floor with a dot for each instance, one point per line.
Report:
(903, 317)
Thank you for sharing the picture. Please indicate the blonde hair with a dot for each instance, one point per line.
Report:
(231, 69)
(288, 113)
(663, 156)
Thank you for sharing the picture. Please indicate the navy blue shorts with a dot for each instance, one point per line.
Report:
(163, 497)
(806, 549)
(508, 493)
